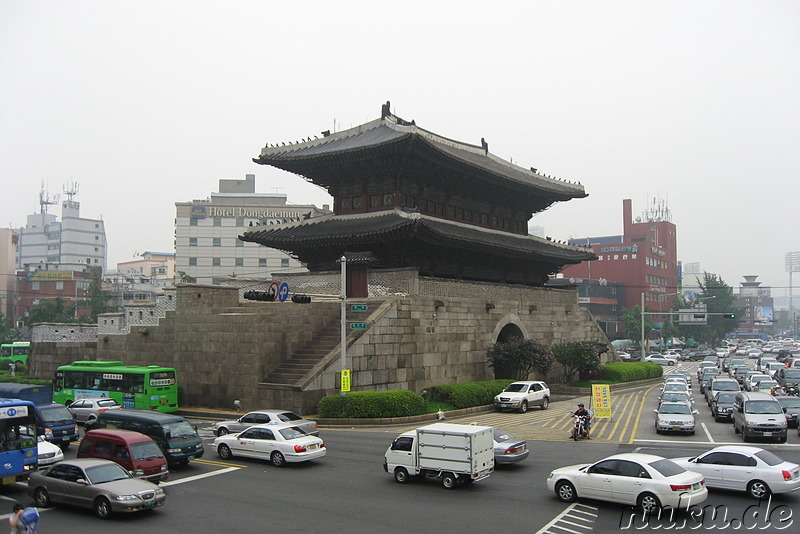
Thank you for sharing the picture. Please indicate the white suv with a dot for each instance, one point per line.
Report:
(522, 395)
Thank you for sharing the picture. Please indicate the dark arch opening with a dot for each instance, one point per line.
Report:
(509, 332)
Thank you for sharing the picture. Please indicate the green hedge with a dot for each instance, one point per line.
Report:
(629, 371)
(466, 394)
(395, 403)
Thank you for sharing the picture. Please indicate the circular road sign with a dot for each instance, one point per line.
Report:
(283, 292)
(272, 291)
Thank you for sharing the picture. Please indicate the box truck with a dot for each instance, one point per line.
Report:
(452, 453)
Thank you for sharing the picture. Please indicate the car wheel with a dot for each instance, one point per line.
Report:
(735, 429)
(224, 451)
(565, 492)
(545, 403)
(102, 508)
(222, 431)
(523, 407)
(401, 475)
(649, 503)
(449, 481)
(757, 489)
(41, 497)
(670, 363)
(277, 459)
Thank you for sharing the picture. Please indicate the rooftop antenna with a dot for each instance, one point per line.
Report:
(71, 189)
(45, 200)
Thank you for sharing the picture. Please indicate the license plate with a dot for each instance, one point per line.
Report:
(676, 428)
(65, 438)
(696, 486)
(767, 433)
(9, 480)
(191, 458)
(312, 447)
(502, 405)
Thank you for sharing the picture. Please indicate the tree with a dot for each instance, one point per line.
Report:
(518, 358)
(184, 278)
(98, 301)
(633, 324)
(717, 296)
(579, 358)
(55, 310)
(8, 334)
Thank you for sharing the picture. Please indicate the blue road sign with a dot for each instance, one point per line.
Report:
(283, 292)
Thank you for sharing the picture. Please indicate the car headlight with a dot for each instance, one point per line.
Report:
(550, 475)
(48, 433)
(159, 491)
(137, 472)
(164, 467)
(127, 497)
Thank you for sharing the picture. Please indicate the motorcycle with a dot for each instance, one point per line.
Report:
(579, 428)
(792, 391)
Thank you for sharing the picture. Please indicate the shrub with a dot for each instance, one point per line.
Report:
(395, 403)
(466, 394)
(518, 358)
(629, 371)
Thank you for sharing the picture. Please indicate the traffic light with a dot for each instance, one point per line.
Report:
(259, 295)
(729, 315)
(301, 299)
(699, 315)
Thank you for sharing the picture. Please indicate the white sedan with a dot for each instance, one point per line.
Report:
(645, 480)
(751, 469)
(660, 359)
(279, 443)
(47, 452)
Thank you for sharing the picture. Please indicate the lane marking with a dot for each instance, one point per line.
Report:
(218, 463)
(198, 477)
(639, 415)
(705, 429)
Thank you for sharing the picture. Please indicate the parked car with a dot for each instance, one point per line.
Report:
(48, 453)
(280, 443)
(675, 417)
(101, 485)
(522, 395)
(660, 359)
(262, 417)
(791, 408)
(86, 410)
(508, 450)
(751, 469)
(722, 405)
(645, 480)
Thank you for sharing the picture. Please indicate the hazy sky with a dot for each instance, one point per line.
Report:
(146, 103)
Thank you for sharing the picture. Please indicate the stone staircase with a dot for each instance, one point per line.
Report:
(307, 356)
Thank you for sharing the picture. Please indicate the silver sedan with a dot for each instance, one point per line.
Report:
(508, 450)
(262, 417)
(84, 410)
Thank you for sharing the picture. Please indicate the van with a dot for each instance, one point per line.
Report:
(53, 420)
(173, 434)
(758, 415)
(132, 450)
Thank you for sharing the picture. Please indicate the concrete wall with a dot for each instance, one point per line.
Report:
(223, 348)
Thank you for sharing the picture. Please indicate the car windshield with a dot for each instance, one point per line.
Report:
(675, 387)
(667, 468)
(725, 398)
(109, 472)
(726, 386)
(105, 403)
(794, 374)
(790, 402)
(288, 416)
(55, 413)
(768, 458)
(675, 409)
(675, 396)
(516, 388)
(145, 450)
(500, 436)
(292, 432)
(763, 407)
(179, 429)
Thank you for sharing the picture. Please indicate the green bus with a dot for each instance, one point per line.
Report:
(16, 352)
(150, 387)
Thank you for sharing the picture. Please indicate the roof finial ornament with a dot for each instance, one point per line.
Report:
(326, 133)
(385, 110)
(533, 170)
(485, 145)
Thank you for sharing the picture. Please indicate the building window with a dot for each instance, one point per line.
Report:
(217, 221)
(192, 261)
(346, 204)
(239, 242)
(239, 222)
(356, 203)
(97, 238)
(192, 222)
(216, 262)
(285, 262)
(96, 249)
(35, 286)
(240, 262)
(217, 242)
(262, 262)
(375, 201)
(192, 241)
(388, 199)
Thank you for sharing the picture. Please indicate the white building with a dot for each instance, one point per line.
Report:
(74, 243)
(207, 245)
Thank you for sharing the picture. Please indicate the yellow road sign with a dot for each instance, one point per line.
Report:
(345, 380)
(601, 401)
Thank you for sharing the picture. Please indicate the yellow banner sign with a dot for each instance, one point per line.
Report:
(601, 400)
(43, 276)
(345, 380)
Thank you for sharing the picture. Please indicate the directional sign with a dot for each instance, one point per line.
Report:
(358, 326)
(358, 307)
(283, 291)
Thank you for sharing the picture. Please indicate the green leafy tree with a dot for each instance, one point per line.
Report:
(633, 324)
(579, 358)
(55, 310)
(518, 358)
(184, 278)
(98, 300)
(8, 334)
(718, 298)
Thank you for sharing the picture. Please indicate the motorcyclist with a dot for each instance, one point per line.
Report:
(777, 391)
(587, 418)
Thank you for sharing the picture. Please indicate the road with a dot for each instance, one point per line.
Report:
(348, 491)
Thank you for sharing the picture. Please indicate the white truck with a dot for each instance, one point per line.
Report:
(450, 452)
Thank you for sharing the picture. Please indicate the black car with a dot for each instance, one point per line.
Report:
(788, 377)
(791, 407)
(722, 405)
